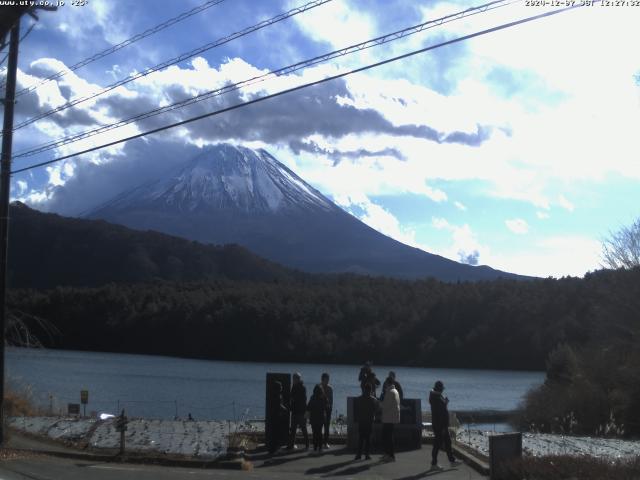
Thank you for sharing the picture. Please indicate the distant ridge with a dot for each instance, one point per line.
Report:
(230, 194)
(47, 250)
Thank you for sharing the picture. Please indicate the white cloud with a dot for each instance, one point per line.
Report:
(337, 24)
(566, 204)
(517, 226)
(22, 186)
(554, 256)
(460, 206)
(542, 215)
(464, 246)
(101, 20)
(35, 198)
(55, 176)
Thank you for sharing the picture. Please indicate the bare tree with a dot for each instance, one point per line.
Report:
(19, 329)
(622, 248)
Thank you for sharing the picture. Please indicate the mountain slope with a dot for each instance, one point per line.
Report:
(233, 194)
(47, 250)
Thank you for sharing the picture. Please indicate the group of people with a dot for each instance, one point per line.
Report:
(317, 409)
(368, 407)
(388, 407)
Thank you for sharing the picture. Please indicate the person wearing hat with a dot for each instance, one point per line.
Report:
(440, 422)
(367, 376)
(298, 404)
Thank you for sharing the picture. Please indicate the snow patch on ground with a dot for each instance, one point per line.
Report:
(204, 439)
(54, 427)
(540, 444)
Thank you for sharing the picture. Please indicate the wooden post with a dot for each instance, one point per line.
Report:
(121, 426)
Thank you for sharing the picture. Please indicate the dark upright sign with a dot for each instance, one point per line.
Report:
(502, 449)
(276, 427)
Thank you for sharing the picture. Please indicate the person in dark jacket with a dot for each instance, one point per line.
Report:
(328, 392)
(317, 409)
(298, 407)
(391, 378)
(366, 408)
(440, 422)
(367, 376)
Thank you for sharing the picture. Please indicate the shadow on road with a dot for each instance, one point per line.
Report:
(428, 473)
(327, 468)
(353, 470)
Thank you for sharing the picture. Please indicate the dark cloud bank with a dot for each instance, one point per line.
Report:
(284, 120)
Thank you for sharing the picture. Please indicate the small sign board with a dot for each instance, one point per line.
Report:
(84, 397)
(73, 408)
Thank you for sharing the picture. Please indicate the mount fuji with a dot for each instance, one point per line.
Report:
(230, 194)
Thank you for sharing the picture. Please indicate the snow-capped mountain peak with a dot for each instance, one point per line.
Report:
(229, 177)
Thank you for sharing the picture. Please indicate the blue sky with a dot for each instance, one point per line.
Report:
(518, 149)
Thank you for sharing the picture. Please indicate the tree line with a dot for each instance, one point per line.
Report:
(344, 318)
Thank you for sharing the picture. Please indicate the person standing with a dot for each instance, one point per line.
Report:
(367, 376)
(391, 378)
(317, 409)
(390, 416)
(298, 404)
(366, 408)
(328, 393)
(440, 421)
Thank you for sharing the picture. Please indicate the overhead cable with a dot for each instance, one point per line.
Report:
(26, 34)
(123, 44)
(178, 59)
(303, 86)
(274, 73)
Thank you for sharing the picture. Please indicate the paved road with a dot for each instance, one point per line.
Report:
(339, 464)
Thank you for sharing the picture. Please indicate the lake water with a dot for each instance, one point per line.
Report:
(163, 387)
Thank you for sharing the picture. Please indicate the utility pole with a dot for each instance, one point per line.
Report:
(5, 185)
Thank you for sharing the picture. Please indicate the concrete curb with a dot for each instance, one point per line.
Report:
(222, 463)
(474, 462)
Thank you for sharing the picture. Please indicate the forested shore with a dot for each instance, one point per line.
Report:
(343, 318)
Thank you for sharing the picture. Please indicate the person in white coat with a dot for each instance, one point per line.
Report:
(390, 416)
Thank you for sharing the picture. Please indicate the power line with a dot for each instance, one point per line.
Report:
(261, 78)
(26, 34)
(306, 85)
(125, 43)
(178, 59)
